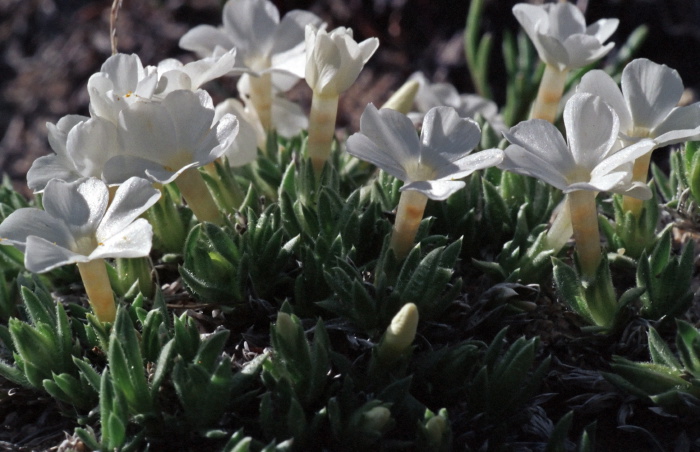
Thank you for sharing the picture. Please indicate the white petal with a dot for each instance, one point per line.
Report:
(192, 123)
(207, 69)
(80, 204)
(591, 128)
(431, 95)
(365, 149)
(29, 221)
(392, 132)
(173, 80)
(603, 182)
(291, 64)
(322, 62)
(520, 160)
(244, 149)
(531, 17)
(124, 71)
(625, 155)
(147, 130)
(134, 240)
(603, 29)
(120, 168)
(226, 132)
(367, 49)
(651, 90)
(90, 144)
(131, 199)
(288, 117)
(682, 124)
(552, 51)
(251, 24)
(353, 59)
(470, 163)
(290, 32)
(445, 137)
(50, 167)
(42, 255)
(584, 49)
(599, 83)
(637, 190)
(565, 19)
(58, 133)
(203, 39)
(542, 139)
(437, 190)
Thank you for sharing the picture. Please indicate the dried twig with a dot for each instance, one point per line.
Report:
(113, 17)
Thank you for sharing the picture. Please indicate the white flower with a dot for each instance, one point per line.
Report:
(122, 80)
(244, 148)
(429, 164)
(431, 95)
(288, 118)
(173, 75)
(163, 139)
(647, 103)
(559, 33)
(82, 145)
(591, 159)
(263, 42)
(79, 225)
(335, 59)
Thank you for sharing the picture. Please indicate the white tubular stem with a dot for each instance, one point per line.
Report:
(584, 220)
(195, 192)
(549, 94)
(639, 174)
(321, 128)
(261, 97)
(99, 289)
(408, 217)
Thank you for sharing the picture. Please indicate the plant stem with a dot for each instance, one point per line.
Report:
(584, 220)
(99, 291)
(408, 217)
(198, 198)
(639, 174)
(324, 109)
(261, 97)
(549, 94)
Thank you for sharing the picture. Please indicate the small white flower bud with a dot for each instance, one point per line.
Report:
(400, 334)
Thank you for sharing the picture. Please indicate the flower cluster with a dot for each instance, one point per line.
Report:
(260, 213)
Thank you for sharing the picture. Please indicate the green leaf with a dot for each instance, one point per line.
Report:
(660, 352)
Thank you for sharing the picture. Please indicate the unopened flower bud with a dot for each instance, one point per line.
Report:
(285, 328)
(376, 419)
(403, 98)
(400, 334)
(435, 428)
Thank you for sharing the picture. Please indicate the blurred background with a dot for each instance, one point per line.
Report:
(49, 49)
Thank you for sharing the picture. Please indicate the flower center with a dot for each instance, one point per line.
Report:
(578, 174)
(418, 171)
(85, 245)
(640, 132)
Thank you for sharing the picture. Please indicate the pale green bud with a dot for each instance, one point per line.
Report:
(400, 334)
(402, 99)
(435, 428)
(376, 419)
